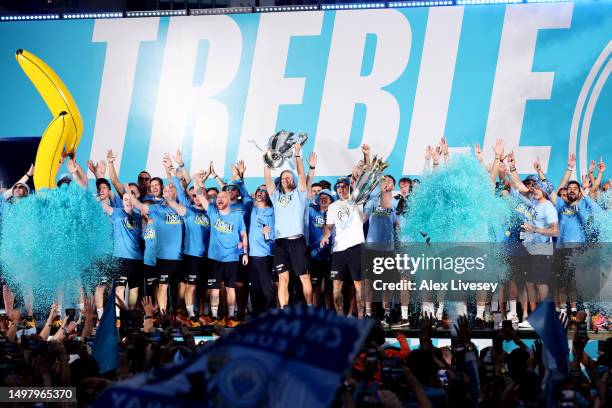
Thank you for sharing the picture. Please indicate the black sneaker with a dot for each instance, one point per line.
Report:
(387, 320)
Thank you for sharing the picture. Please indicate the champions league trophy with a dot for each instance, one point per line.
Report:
(281, 147)
(370, 177)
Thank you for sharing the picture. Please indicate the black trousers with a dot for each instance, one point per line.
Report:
(263, 290)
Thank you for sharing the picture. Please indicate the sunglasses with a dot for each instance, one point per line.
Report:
(262, 190)
(230, 188)
(144, 178)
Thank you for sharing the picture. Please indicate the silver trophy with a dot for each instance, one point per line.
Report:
(367, 180)
(281, 147)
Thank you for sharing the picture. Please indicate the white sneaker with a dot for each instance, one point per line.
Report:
(512, 317)
(524, 325)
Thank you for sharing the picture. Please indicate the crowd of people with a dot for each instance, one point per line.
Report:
(190, 254)
(217, 253)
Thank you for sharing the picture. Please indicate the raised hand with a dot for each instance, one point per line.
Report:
(298, 149)
(179, 157)
(241, 168)
(235, 172)
(601, 167)
(444, 146)
(89, 307)
(93, 167)
(110, 157)
(365, 149)
(9, 298)
(463, 330)
(592, 166)
(30, 172)
(498, 149)
(537, 165)
(571, 161)
(312, 160)
(586, 182)
(72, 167)
(511, 161)
(428, 153)
(478, 152)
(436, 155)
(147, 306)
(101, 168)
(211, 170)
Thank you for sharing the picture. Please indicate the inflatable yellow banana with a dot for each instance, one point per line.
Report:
(54, 93)
(51, 150)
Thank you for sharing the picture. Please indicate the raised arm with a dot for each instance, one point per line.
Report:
(23, 180)
(77, 172)
(112, 173)
(270, 186)
(299, 165)
(365, 149)
(312, 165)
(428, 155)
(444, 146)
(515, 180)
(498, 149)
(215, 176)
(182, 172)
(179, 208)
(436, 157)
(601, 168)
(571, 163)
(199, 180)
(537, 166)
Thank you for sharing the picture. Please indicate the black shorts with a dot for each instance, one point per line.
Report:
(225, 272)
(130, 272)
(291, 254)
(261, 271)
(540, 269)
(193, 269)
(243, 272)
(166, 269)
(150, 276)
(563, 266)
(347, 264)
(518, 269)
(319, 271)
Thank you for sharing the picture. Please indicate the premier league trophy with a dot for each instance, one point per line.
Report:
(281, 147)
(370, 177)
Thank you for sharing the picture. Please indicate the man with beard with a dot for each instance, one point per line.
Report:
(574, 213)
(290, 251)
(228, 243)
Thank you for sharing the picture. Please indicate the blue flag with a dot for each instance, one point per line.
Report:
(295, 357)
(547, 325)
(106, 341)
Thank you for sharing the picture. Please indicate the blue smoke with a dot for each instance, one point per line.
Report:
(49, 239)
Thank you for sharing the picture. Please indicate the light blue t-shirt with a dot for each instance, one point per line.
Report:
(573, 219)
(289, 212)
(258, 245)
(126, 234)
(225, 235)
(316, 223)
(381, 230)
(540, 244)
(197, 232)
(168, 231)
(150, 251)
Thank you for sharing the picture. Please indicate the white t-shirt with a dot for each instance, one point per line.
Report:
(540, 244)
(348, 221)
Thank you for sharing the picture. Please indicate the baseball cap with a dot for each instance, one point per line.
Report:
(327, 193)
(24, 185)
(545, 187)
(231, 183)
(342, 180)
